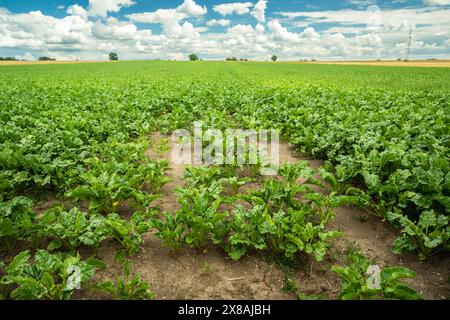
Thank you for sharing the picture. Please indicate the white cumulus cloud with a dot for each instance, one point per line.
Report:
(190, 8)
(220, 22)
(101, 8)
(27, 56)
(239, 8)
(436, 2)
(82, 35)
(280, 33)
(259, 11)
(77, 10)
(170, 19)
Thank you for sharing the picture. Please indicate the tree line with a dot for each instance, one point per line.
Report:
(15, 59)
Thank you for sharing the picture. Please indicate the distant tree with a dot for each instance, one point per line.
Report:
(274, 58)
(113, 56)
(232, 59)
(44, 58)
(8, 59)
(193, 57)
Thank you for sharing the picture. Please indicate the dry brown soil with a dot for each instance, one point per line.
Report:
(191, 274)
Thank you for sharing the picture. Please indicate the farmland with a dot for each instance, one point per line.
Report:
(88, 192)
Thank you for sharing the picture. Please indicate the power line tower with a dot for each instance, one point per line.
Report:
(408, 50)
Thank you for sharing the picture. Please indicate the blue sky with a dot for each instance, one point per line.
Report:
(52, 7)
(215, 29)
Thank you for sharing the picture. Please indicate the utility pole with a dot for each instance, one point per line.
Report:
(408, 50)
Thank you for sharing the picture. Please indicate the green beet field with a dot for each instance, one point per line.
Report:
(93, 207)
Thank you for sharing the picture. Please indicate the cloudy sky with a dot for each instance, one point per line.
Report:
(215, 29)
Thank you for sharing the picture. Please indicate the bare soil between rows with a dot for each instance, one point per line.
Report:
(193, 275)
